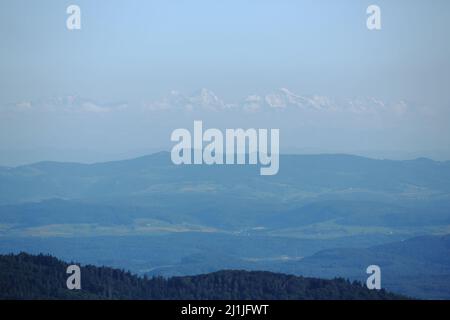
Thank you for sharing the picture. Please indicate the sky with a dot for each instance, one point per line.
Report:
(130, 57)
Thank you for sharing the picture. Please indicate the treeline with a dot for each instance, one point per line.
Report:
(25, 276)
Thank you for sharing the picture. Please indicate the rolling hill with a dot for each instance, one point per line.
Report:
(321, 216)
(25, 276)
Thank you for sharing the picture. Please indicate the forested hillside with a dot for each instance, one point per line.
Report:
(25, 276)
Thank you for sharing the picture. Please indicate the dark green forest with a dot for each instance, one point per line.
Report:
(25, 276)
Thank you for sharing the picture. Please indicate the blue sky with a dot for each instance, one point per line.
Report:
(134, 51)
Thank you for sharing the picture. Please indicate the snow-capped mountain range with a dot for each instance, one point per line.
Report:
(207, 100)
(281, 99)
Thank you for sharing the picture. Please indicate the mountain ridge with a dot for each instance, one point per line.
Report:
(159, 154)
(25, 276)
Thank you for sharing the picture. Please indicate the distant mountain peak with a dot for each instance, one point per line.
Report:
(207, 100)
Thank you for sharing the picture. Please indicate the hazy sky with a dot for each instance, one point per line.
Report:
(132, 52)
